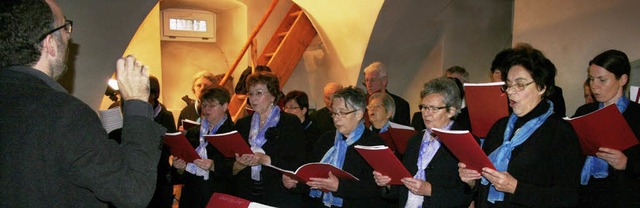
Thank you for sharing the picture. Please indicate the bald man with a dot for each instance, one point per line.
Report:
(322, 118)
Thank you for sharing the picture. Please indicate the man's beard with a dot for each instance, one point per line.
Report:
(59, 66)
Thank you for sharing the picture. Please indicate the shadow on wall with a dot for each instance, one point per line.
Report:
(67, 79)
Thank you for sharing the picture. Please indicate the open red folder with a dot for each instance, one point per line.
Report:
(314, 170)
(220, 200)
(603, 128)
(180, 146)
(187, 124)
(486, 103)
(465, 148)
(397, 137)
(384, 161)
(229, 143)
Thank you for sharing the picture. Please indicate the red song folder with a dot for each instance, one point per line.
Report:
(486, 103)
(229, 143)
(385, 162)
(180, 146)
(465, 148)
(314, 170)
(220, 200)
(603, 128)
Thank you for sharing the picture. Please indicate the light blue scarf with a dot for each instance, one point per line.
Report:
(594, 166)
(335, 156)
(256, 136)
(201, 149)
(502, 155)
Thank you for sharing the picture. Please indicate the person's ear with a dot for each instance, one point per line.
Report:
(49, 46)
(623, 80)
(304, 111)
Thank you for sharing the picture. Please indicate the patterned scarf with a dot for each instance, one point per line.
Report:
(335, 156)
(256, 136)
(428, 148)
(501, 156)
(594, 166)
(201, 149)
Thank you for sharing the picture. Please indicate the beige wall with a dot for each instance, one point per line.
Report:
(101, 33)
(572, 32)
(145, 46)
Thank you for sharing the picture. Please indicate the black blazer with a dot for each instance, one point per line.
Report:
(196, 191)
(362, 193)
(546, 165)
(403, 113)
(622, 187)
(285, 145)
(442, 172)
(322, 119)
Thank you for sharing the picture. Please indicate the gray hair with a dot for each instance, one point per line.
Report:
(352, 96)
(376, 67)
(447, 88)
(387, 102)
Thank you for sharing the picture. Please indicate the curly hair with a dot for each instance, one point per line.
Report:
(269, 79)
(23, 22)
(541, 69)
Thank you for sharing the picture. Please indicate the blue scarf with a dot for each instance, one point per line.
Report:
(256, 136)
(502, 155)
(335, 156)
(384, 128)
(201, 149)
(594, 166)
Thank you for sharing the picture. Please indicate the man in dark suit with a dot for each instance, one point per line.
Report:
(322, 118)
(375, 80)
(54, 151)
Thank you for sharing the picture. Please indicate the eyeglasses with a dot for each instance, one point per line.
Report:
(68, 26)
(370, 80)
(341, 114)
(432, 109)
(517, 87)
(256, 93)
(209, 105)
(292, 107)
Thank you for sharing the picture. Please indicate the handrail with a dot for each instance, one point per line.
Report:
(253, 35)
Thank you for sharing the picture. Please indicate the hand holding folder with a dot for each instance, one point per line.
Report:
(385, 162)
(314, 170)
(180, 147)
(229, 143)
(465, 148)
(603, 128)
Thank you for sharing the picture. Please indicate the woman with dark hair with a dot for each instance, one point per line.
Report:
(612, 179)
(276, 138)
(297, 103)
(536, 155)
(210, 174)
(337, 148)
(435, 182)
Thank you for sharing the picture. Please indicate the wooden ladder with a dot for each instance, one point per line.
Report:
(282, 53)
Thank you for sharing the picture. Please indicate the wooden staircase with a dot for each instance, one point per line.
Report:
(282, 53)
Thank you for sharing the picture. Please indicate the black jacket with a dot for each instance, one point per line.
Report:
(196, 191)
(362, 193)
(442, 172)
(56, 153)
(546, 165)
(285, 145)
(622, 187)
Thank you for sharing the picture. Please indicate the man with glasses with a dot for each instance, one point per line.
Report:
(54, 150)
(375, 80)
